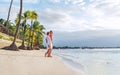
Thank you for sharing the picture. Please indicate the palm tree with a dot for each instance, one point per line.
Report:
(33, 16)
(41, 34)
(13, 45)
(11, 2)
(2, 21)
(2, 27)
(12, 30)
(39, 37)
(37, 34)
(24, 26)
(9, 29)
(35, 28)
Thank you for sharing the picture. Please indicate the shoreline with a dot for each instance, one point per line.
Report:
(77, 67)
(32, 63)
(73, 65)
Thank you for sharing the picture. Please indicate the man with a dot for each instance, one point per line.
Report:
(49, 45)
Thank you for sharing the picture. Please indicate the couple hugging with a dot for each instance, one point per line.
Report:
(49, 42)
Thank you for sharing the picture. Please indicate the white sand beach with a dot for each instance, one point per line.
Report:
(32, 63)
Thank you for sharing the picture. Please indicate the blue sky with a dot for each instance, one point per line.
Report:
(68, 16)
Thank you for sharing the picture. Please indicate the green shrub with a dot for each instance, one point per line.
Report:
(5, 38)
(11, 39)
(1, 36)
(18, 41)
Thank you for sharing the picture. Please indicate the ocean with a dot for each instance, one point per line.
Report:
(91, 61)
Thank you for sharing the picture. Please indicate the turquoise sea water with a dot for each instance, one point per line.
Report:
(92, 61)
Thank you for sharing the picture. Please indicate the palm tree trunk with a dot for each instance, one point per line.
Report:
(13, 45)
(23, 39)
(29, 41)
(6, 24)
(31, 35)
(32, 40)
(9, 11)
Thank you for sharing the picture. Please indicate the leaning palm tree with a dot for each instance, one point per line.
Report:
(13, 45)
(11, 2)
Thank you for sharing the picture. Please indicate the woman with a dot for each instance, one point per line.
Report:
(49, 44)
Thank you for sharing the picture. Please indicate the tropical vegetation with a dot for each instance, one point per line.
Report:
(26, 27)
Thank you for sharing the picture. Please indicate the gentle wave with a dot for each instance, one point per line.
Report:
(93, 61)
(72, 62)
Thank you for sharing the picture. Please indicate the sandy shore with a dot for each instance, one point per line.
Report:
(4, 43)
(32, 63)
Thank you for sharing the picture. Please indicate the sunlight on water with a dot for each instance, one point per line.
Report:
(93, 62)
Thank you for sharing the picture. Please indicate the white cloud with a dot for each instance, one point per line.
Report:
(93, 12)
(31, 1)
(76, 1)
(25, 1)
(108, 23)
(102, 14)
(62, 21)
(55, 20)
(95, 15)
(73, 2)
(108, 6)
(14, 12)
(55, 1)
(4, 8)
